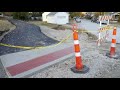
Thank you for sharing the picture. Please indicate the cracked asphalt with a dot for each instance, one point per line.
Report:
(24, 35)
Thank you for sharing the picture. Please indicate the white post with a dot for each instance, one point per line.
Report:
(100, 23)
(99, 33)
(107, 30)
(108, 22)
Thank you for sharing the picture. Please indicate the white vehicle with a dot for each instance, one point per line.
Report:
(77, 19)
(103, 22)
(1, 15)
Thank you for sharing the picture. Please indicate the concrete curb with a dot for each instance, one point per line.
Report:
(35, 60)
(4, 70)
(41, 68)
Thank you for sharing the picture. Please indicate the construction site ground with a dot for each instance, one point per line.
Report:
(93, 57)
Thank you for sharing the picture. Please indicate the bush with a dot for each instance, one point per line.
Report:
(21, 15)
(81, 14)
(8, 13)
(59, 27)
(119, 19)
(74, 14)
(97, 14)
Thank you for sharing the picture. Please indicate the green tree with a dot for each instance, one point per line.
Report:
(73, 14)
(119, 19)
(81, 14)
(8, 13)
(20, 15)
(99, 13)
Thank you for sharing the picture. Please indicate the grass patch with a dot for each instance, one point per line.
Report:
(49, 24)
(90, 35)
(5, 26)
(61, 27)
(117, 24)
(2, 18)
(52, 26)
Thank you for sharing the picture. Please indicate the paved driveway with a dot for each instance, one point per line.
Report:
(24, 35)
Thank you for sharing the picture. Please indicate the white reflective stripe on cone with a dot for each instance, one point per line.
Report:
(114, 37)
(113, 45)
(77, 54)
(115, 28)
(76, 41)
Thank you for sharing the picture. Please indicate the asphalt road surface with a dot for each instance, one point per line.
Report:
(94, 27)
(24, 35)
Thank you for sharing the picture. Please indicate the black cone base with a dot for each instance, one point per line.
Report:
(114, 56)
(84, 70)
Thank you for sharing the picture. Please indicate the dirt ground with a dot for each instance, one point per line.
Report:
(93, 56)
(5, 26)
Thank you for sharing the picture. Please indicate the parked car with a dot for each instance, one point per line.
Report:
(35, 18)
(94, 19)
(88, 16)
(103, 22)
(77, 19)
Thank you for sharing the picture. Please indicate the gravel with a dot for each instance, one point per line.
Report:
(100, 66)
(2, 71)
(93, 57)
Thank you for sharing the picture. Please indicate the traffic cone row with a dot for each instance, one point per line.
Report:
(80, 68)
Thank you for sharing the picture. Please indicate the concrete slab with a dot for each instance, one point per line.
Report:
(21, 64)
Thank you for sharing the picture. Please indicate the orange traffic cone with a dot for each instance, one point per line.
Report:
(112, 53)
(79, 68)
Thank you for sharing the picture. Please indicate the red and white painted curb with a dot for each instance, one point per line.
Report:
(19, 67)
